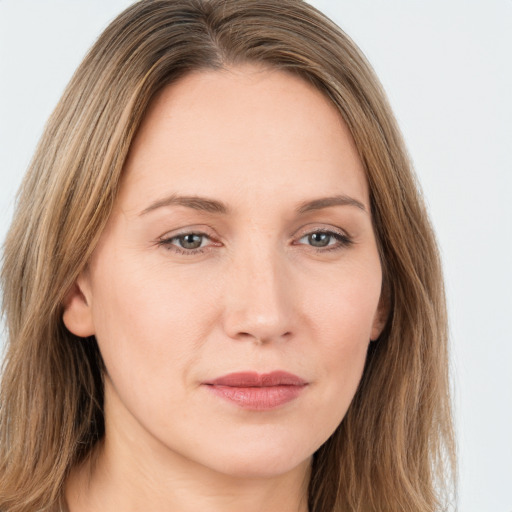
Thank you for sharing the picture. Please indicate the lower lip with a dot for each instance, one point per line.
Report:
(257, 398)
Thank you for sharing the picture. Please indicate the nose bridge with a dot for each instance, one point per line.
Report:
(258, 301)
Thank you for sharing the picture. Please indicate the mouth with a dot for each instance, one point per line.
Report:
(258, 392)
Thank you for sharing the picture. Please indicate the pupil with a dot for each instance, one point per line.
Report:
(191, 241)
(319, 239)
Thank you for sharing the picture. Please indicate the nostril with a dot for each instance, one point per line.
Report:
(263, 338)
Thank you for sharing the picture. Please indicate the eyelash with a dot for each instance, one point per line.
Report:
(167, 243)
(343, 242)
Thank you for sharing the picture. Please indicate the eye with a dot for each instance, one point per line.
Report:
(326, 240)
(318, 239)
(187, 243)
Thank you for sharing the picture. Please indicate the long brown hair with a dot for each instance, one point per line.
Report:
(394, 450)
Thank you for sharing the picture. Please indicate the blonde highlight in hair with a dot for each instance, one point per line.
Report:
(394, 450)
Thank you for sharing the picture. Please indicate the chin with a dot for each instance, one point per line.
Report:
(262, 466)
(263, 456)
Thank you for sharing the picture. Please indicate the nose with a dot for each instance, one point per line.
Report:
(258, 298)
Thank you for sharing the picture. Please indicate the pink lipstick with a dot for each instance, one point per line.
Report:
(259, 392)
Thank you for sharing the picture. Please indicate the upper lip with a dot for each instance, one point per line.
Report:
(257, 380)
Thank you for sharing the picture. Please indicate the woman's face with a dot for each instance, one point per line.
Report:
(240, 245)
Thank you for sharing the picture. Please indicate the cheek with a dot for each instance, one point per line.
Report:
(345, 307)
(150, 326)
(341, 319)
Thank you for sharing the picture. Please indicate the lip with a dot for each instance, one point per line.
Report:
(259, 392)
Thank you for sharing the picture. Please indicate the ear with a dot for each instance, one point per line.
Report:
(77, 314)
(381, 315)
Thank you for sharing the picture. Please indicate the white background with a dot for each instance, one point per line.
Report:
(447, 68)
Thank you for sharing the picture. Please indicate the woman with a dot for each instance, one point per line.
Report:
(221, 287)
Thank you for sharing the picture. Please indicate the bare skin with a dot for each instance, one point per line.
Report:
(241, 241)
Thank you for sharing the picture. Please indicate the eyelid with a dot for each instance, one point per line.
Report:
(320, 228)
(194, 229)
(167, 239)
(343, 238)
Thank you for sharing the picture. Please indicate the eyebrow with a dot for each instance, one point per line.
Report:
(195, 202)
(327, 202)
(213, 206)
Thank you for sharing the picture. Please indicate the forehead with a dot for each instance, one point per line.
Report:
(248, 130)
